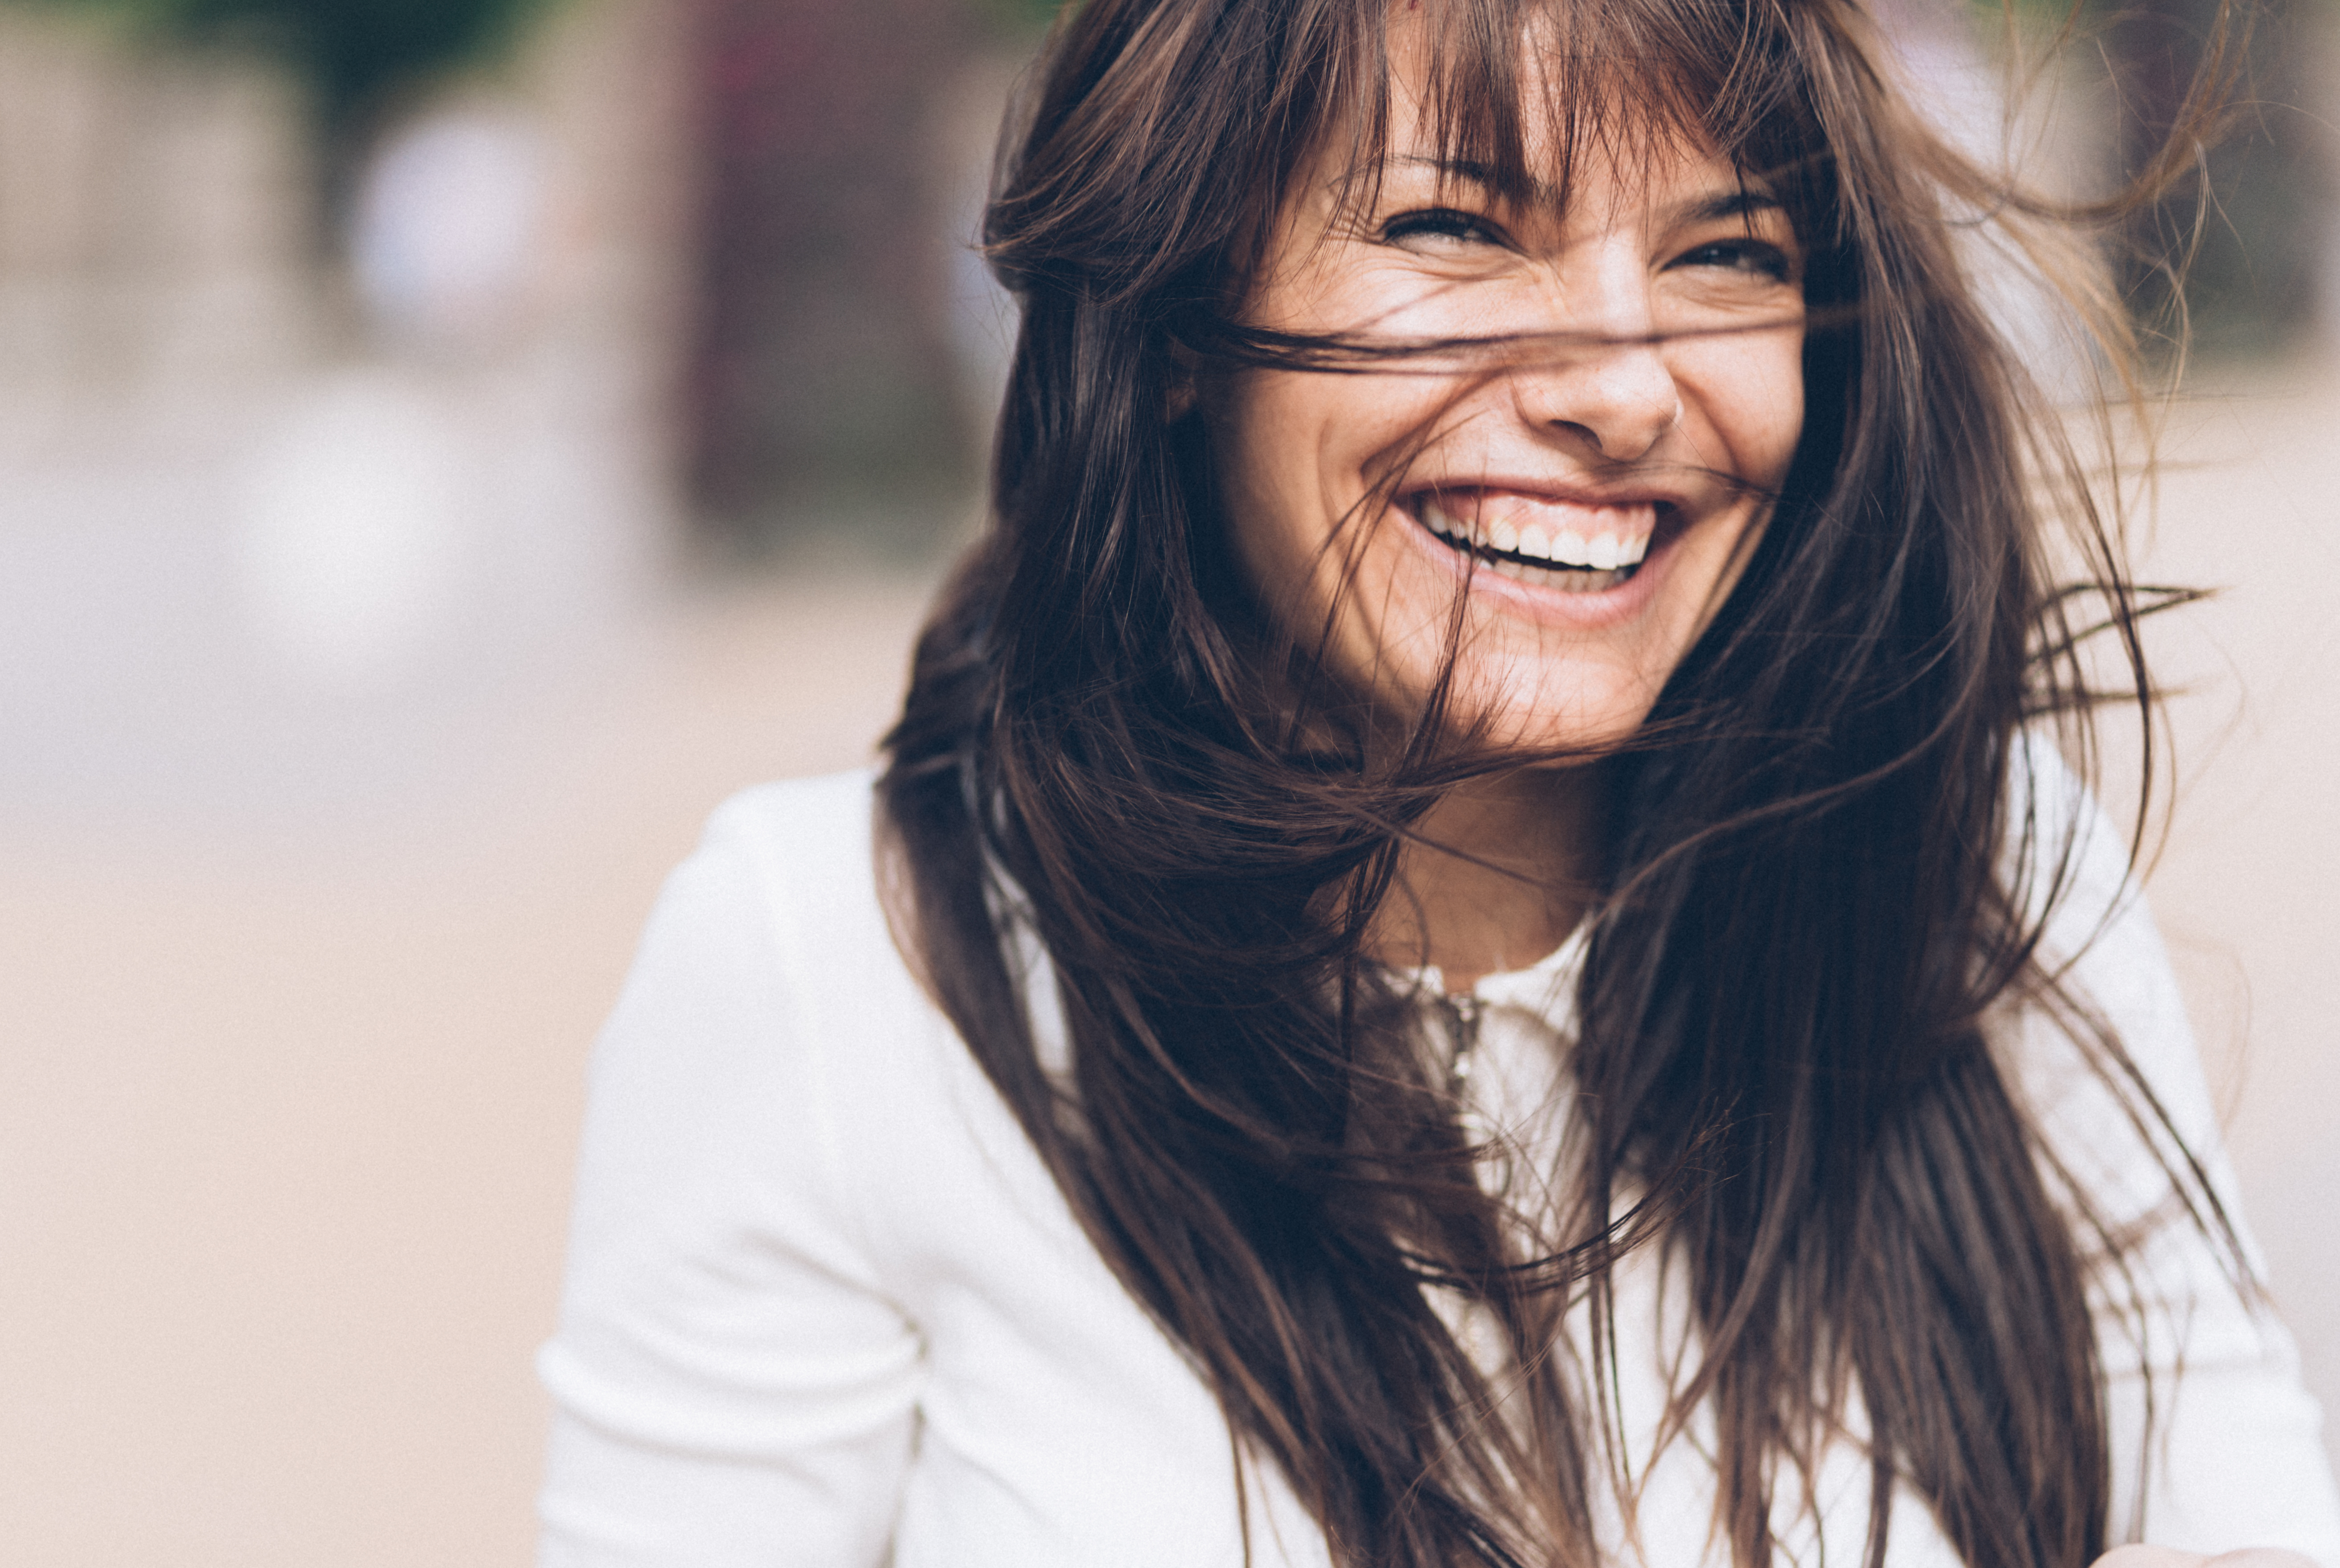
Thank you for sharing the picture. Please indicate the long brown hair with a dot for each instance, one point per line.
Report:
(1823, 870)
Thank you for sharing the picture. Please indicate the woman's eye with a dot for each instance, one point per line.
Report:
(1436, 225)
(1754, 256)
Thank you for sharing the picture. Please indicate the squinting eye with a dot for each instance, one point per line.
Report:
(1740, 256)
(1439, 223)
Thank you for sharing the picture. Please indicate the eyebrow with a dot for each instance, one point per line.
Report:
(1739, 203)
(1479, 174)
(1742, 201)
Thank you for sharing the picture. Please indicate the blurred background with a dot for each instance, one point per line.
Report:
(446, 446)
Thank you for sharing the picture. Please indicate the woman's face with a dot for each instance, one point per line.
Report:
(1601, 498)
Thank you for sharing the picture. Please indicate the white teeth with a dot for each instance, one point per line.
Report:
(1561, 578)
(1579, 564)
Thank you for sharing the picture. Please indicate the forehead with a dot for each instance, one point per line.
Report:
(1533, 112)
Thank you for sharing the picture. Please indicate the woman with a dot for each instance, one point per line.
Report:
(1474, 948)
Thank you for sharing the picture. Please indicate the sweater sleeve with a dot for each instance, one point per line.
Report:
(2217, 1444)
(731, 1384)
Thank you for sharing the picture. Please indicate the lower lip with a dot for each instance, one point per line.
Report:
(1554, 606)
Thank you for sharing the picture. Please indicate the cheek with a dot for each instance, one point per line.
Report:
(1751, 390)
(1256, 432)
(1294, 455)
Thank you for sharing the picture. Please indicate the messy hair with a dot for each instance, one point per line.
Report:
(1822, 873)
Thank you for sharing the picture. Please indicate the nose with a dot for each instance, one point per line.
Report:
(1602, 376)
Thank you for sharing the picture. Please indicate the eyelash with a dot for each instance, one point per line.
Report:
(1738, 255)
(1446, 222)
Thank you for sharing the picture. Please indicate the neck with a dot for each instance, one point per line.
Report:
(1502, 877)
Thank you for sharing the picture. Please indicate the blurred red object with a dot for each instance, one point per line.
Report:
(822, 375)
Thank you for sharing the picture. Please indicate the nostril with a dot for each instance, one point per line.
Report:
(1618, 406)
(1585, 433)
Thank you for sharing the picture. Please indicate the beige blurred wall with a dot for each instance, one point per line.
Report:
(2247, 887)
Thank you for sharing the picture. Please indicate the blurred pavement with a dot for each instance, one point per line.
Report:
(285, 1143)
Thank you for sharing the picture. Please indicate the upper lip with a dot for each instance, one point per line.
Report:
(1567, 493)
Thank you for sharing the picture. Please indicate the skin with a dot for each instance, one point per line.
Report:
(1664, 399)
(1673, 385)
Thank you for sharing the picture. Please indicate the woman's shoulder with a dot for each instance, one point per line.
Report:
(796, 858)
(809, 837)
(2190, 1356)
(767, 996)
(2106, 1066)
(2074, 868)
(774, 1053)
(2073, 876)
(810, 1074)
(2068, 874)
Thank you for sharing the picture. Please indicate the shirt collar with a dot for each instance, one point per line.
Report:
(1546, 987)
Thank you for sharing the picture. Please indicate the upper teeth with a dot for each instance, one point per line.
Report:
(1561, 547)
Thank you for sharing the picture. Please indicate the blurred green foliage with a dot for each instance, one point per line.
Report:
(353, 54)
(1020, 18)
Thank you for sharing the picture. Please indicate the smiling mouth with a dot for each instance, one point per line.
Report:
(1566, 545)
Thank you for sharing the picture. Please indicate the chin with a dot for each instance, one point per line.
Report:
(1555, 733)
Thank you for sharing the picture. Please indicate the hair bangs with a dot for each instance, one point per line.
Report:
(1517, 91)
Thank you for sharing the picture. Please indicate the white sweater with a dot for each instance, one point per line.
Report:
(825, 1306)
